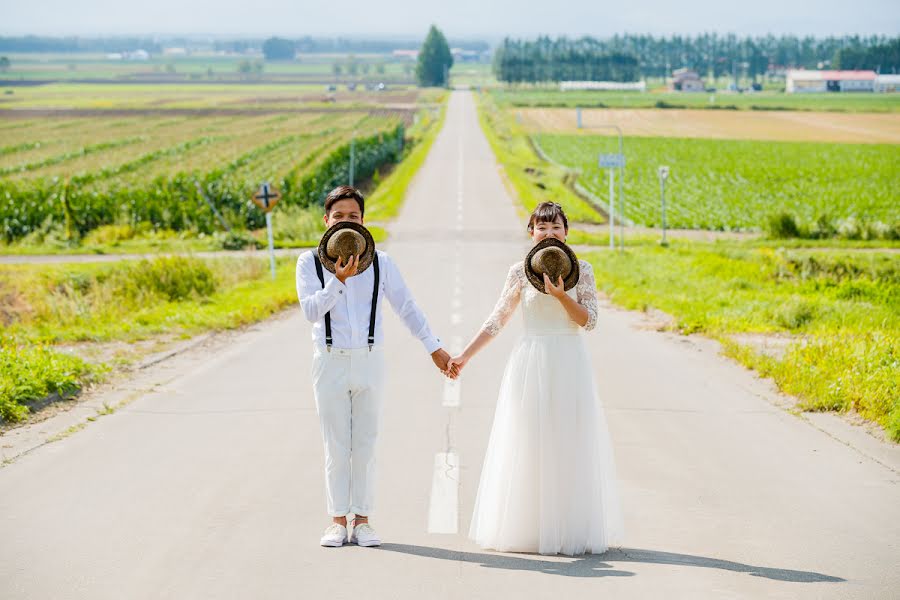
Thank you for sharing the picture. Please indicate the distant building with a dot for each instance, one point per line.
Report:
(887, 83)
(685, 80)
(460, 55)
(137, 55)
(175, 52)
(618, 86)
(407, 54)
(802, 80)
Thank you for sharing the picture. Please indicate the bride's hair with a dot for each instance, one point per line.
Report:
(546, 212)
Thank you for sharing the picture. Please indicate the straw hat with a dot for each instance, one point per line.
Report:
(346, 239)
(554, 258)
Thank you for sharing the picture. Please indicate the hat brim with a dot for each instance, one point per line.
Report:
(537, 279)
(365, 260)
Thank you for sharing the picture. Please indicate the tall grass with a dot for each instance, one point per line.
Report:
(41, 305)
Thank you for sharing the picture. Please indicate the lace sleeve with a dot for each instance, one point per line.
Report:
(586, 292)
(509, 300)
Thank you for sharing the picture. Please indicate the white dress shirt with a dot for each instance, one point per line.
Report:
(350, 304)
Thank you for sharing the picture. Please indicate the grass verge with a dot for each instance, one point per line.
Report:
(43, 305)
(840, 311)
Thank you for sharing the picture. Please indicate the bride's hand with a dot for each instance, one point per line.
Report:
(557, 291)
(456, 364)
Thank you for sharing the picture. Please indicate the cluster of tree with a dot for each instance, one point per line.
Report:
(310, 45)
(276, 48)
(352, 66)
(247, 68)
(32, 43)
(884, 58)
(434, 60)
(629, 57)
(562, 60)
(306, 44)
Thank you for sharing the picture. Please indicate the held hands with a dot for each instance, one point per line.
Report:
(442, 361)
(344, 272)
(457, 363)
(557, 291)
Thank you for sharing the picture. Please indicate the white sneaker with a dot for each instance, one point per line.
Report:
(363, 535)
(335, 536)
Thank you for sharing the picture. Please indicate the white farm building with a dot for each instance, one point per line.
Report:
(887, 83)
(801, 80)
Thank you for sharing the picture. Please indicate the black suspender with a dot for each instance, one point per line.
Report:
(328, 339)
(328, 314)
(374, 304)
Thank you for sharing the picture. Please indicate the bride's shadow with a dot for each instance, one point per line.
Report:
(596, 565)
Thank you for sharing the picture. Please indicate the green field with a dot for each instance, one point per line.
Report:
(207, 67)
(740, 184)
(81, 173)
(77, 157)
(213, 96)
(552, 97)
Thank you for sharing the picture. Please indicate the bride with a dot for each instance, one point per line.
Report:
(548, 483)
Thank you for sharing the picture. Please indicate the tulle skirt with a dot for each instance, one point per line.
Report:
(548, 482)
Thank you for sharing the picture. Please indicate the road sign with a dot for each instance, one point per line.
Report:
(267, 197)
(663, 173)
(612, 161)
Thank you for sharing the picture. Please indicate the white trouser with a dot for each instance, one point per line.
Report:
(348, 386)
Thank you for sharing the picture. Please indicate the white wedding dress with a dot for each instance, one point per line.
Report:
(548, 483)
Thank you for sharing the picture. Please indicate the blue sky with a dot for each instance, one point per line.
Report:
(492, 19)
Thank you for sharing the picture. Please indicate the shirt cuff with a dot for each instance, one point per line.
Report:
(432, 343)
(335, 288)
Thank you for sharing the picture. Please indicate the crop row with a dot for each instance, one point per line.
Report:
(172, 201)
(738, 185)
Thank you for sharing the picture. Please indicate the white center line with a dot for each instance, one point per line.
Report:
(451, 393)
(443, 508)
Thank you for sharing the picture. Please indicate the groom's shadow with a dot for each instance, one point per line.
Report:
(596, 565)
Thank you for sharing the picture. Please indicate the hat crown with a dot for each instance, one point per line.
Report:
(553, 262)
(344, 244)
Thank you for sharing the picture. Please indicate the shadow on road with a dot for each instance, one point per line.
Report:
(597, 565)
(591, 566)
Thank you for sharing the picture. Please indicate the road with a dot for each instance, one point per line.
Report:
(209, 484)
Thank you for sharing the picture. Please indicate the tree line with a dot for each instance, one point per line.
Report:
(34, 43)
(305, 44)
(630, 57)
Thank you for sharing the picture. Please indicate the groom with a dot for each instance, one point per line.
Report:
(348, 371)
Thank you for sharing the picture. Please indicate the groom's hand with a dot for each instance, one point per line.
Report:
(344, 272)
(441, 360)
(456, 364)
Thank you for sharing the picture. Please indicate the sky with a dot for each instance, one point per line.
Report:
(484, 19)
